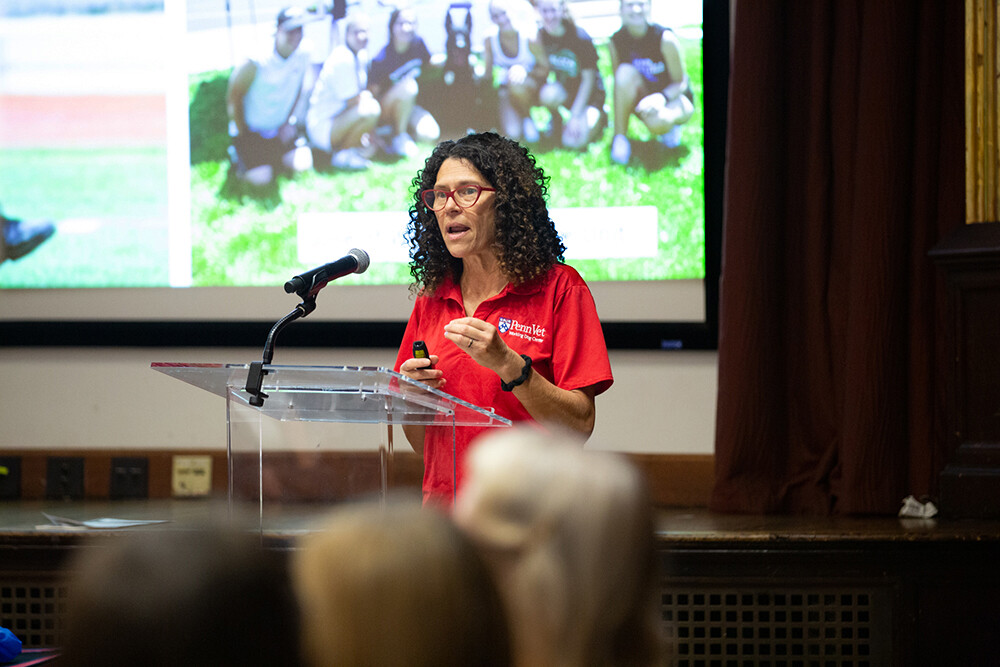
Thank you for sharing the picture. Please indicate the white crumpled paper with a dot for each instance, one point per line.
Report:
(913, 508)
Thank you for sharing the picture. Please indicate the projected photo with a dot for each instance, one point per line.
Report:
(305, 144)
(210, 143)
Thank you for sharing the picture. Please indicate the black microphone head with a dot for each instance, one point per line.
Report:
(362, 258)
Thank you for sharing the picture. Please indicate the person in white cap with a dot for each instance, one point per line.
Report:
(263, 96)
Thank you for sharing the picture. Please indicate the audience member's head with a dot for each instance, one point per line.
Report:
(201, 598)
(396, 586)
(569, 535)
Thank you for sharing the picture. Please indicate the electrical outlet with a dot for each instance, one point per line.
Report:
(192, 476)
(129, 478)
(10, 477)
(64, 478)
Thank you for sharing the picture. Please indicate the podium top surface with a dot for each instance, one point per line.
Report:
(335, 394)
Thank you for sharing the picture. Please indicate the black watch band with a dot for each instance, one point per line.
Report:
(509, 386)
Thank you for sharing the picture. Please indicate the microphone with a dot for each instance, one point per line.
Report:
(310, 282)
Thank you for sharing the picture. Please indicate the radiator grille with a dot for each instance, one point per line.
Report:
(33, 609)
(777, 627)
(706, 625)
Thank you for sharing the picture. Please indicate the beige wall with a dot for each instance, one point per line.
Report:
(95, 398)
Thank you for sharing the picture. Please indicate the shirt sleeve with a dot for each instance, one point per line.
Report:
(579, 352)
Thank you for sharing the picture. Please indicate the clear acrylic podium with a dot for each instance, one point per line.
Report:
(312, 440)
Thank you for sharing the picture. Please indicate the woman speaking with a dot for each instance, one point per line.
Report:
(508, 325)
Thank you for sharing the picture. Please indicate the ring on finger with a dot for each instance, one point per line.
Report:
(471, 341)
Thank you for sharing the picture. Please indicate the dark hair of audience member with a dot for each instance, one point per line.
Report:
(199, 598)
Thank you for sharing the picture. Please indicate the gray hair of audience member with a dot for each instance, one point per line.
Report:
(205, 597)
(569, 533)
(396, 586)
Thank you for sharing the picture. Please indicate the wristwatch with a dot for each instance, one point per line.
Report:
(509, 386)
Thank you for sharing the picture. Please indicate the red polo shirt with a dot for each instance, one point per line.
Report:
(552, 319)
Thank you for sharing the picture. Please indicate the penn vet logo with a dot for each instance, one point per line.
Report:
(530, 332)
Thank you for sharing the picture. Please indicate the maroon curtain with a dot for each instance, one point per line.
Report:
(846, 167)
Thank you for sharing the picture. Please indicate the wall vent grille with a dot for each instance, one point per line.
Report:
(777, 627)
(33, 609)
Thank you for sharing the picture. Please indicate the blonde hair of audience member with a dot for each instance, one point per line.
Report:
(569, 534)
(211, 596)
(399, 586)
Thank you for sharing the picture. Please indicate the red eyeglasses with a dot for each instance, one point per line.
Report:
(465, 196)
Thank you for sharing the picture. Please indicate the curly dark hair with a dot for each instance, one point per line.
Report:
(526, 244)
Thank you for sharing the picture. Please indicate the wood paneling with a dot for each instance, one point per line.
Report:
(675, 480)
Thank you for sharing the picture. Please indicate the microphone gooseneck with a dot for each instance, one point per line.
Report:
(307, 286)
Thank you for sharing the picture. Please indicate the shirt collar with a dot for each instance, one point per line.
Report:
(449, 289)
